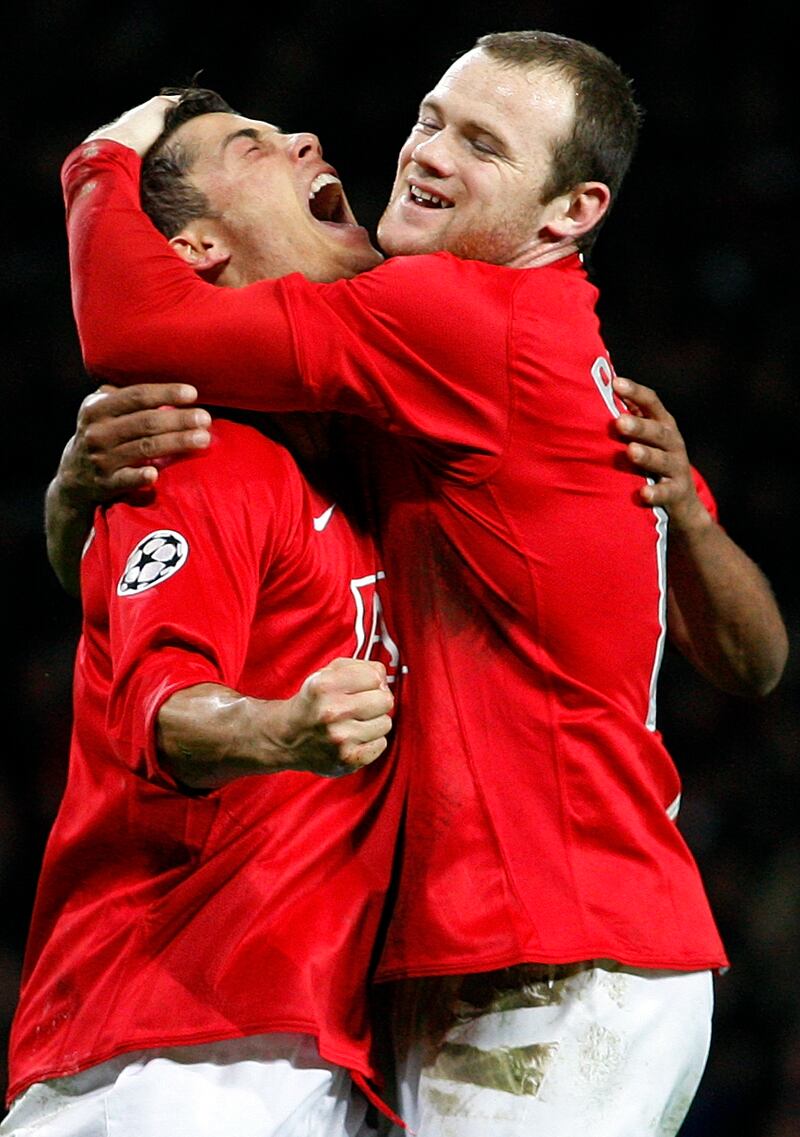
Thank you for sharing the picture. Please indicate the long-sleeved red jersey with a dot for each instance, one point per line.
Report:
(168, 917)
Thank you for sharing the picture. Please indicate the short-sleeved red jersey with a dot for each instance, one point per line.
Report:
(166, 917)
(528, 578)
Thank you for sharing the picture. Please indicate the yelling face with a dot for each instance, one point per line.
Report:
(471, 174)
(277, 206)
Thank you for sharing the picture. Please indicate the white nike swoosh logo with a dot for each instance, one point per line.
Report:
(323, 519)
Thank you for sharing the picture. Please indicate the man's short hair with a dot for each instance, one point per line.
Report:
(607, 119)
(167, 195)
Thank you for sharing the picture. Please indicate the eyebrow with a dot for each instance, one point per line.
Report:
(245, 132)
(471, 126)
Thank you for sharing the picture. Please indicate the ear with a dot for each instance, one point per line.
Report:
(578, 211)
(205, 252)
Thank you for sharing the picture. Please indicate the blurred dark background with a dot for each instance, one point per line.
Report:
(699, 299)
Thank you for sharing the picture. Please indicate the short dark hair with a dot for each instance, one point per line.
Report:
(167, 195)
(607, 120)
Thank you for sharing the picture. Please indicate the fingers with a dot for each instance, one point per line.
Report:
(656, 445)
(659, 461)
(650, 432)
(638, 398)
(131, 442)
(111, 402)
(664, 459)
(126, 480)
(139, 127)
(350, 690)
(121, 400)
(357, 756)
(348, 676)
(132, 426)
(351, 703)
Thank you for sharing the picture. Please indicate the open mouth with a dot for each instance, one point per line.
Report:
(427, 199)
(327, 202)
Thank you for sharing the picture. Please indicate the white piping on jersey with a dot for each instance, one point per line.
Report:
(88, 542)
(323, 519)
(603, 375)
(673, 808)
(662, 522)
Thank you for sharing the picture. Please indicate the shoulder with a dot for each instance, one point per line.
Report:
(428, 298)
(439, 270)
(423, 281)
(241, 456)
(243, 444)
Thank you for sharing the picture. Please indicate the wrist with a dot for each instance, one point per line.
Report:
(691, 524)
(71, 501)
(277, 733)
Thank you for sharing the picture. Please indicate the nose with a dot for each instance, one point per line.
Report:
(305, 146)
(433, 154)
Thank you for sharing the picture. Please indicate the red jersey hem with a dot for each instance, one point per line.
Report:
(469, 964)
(359, 1069)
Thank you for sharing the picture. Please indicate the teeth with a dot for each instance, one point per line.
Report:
(322, 180)
(423, 195)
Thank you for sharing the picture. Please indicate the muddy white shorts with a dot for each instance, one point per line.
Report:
(583, 1050)
(272, 1085)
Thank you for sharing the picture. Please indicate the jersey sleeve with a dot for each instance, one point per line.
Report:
(182, 578)
(418, 345)
(705, 494)
(167, 323)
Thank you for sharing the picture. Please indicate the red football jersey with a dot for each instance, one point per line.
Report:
(166, 917)
(528, 579)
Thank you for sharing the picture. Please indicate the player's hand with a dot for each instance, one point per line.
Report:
(339, 719)
(656, 446)
(139, 127)
(121, 432)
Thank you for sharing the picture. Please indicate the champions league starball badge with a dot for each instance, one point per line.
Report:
(157, 557)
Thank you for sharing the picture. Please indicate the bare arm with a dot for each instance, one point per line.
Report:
(337, 722)
(722, 613)
(119, 434)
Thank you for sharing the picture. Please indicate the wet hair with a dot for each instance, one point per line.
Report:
(168, 196)
(607, 120)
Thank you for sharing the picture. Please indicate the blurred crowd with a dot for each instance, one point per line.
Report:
(699, 298)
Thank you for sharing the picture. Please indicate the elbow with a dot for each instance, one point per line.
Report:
(101, 359)
(767, 677)
(759, 674)
(112, 350)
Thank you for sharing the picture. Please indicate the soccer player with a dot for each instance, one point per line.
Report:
(543, 875)
(213, 886)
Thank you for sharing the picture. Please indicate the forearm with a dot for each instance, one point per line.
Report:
(67, 526)
(209, 735)
(723, 614)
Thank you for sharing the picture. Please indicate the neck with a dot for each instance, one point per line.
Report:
(538, 255)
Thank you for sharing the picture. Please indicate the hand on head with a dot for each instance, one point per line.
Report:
(139, 127)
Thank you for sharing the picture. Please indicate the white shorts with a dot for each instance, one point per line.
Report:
(584, 1050)
(271, 1085)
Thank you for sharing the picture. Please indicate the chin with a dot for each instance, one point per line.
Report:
(398, 238)
(398, 241)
